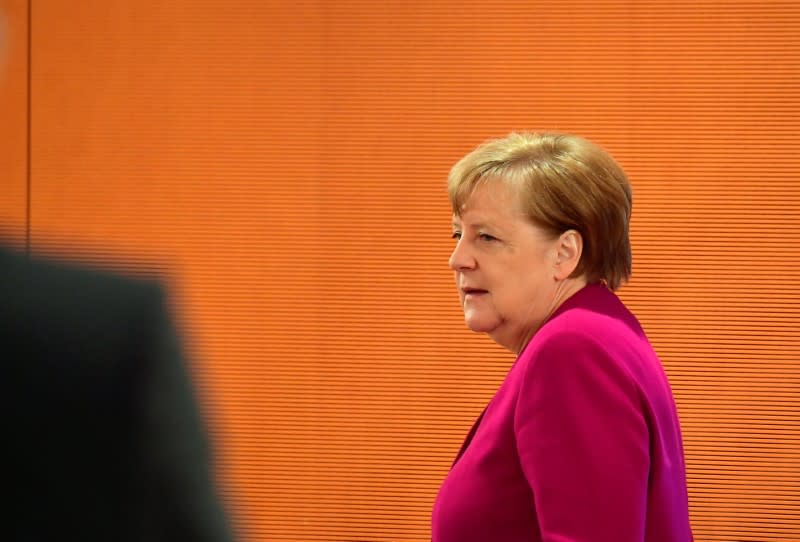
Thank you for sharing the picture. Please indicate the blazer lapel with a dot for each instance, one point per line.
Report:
(469, 438)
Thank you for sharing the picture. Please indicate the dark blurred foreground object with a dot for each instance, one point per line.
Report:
(103, 434)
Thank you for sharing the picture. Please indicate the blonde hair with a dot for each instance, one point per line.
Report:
(562, 182)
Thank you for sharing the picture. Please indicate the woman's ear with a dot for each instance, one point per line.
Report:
(569, 247)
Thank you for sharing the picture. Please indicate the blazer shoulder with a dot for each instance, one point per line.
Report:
(33, 277)
(64, 305)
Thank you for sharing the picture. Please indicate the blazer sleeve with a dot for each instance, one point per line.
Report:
(177, 477)
(583, 443)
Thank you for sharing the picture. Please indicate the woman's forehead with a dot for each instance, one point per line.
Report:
(492, 195)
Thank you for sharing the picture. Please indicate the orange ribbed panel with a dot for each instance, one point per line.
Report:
(286, 161)
(13, 120)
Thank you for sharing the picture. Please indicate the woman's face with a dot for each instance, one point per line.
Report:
(505, 267)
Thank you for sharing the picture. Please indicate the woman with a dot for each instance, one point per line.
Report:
(582, 442)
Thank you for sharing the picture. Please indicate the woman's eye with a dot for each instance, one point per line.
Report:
(487, 237)
(456, 235)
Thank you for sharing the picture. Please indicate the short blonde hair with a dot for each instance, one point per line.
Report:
(563, 182)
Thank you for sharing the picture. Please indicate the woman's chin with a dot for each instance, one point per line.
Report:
(481, 325)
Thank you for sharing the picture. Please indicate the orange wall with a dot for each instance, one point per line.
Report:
(286, 162)
(14, 119)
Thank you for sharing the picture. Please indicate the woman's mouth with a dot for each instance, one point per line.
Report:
(473, 292)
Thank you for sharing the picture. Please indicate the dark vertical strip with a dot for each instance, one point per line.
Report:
(29, 136)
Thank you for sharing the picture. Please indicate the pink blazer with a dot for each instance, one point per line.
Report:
(581, 443)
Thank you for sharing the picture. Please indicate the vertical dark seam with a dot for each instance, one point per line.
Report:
(29, 138)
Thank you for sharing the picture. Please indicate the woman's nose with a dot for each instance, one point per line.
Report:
(461, 258)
